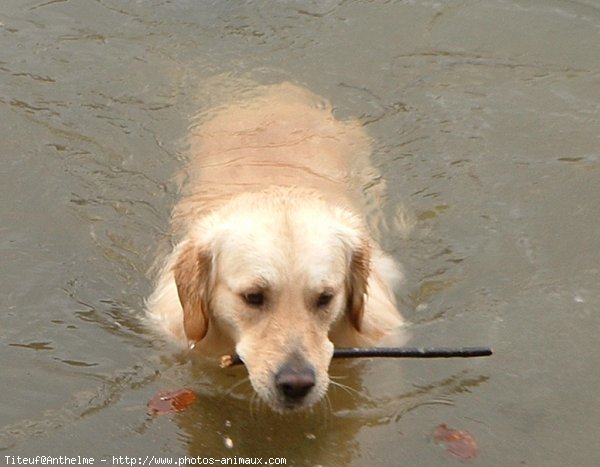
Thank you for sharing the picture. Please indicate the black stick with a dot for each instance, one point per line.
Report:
(393, 352)
(412, 352)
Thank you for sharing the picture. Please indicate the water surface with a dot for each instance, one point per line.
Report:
(485, 116)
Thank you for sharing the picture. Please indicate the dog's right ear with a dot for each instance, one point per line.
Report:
(192, 276)
(360, 268)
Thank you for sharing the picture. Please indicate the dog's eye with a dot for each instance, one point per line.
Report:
(254, 298)
(324, 299)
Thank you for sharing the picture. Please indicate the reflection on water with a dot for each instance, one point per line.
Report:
(485, 119)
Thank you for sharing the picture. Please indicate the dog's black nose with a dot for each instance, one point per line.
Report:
(295, 381)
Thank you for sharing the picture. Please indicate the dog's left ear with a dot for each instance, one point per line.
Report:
(360, 267)
(192, 276)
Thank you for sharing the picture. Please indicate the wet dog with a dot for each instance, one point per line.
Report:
(274, 257)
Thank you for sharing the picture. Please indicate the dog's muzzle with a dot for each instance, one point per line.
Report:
(294, 381)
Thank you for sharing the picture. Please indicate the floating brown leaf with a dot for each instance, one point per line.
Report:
(175, 400)
(459, 443)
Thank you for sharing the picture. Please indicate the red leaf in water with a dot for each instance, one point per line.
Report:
(459, 443)
(176, 400)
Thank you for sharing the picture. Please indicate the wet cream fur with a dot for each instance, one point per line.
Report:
(276, 202)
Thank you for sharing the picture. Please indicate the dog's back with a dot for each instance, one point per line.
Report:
(283, 135)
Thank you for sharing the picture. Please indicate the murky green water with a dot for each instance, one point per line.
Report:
(486, 116)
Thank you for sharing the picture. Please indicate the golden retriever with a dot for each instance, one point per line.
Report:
(273, 256)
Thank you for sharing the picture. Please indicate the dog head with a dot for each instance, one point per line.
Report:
(276, 270)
